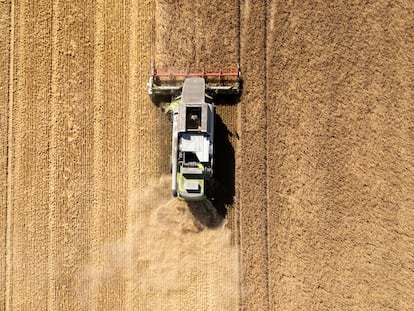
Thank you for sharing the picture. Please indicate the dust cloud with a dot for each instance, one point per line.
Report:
(174, 256)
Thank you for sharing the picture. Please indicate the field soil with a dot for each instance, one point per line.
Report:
(314, 162)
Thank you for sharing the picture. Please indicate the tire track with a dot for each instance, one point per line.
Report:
(135, 79)
(54, 172)
(267, 149)
(6, 103)
(238, 168)
(92, 288)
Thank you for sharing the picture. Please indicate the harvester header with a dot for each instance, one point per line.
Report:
(169, 81)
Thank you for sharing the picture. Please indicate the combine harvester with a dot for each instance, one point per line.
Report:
(190, 94)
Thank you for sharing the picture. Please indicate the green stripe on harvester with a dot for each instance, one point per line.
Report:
(173, 105)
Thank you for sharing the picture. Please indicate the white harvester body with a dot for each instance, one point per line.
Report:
(193, 117)
(192, 141)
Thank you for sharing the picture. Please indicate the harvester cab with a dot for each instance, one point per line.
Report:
(190, 94)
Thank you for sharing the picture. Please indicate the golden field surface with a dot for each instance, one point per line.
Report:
(315, 161)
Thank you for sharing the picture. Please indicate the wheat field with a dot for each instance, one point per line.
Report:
(315, 160)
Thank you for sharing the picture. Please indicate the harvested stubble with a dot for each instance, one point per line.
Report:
(4, 117)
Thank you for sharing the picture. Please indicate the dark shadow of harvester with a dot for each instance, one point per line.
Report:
(223, 184)
(202, 157)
